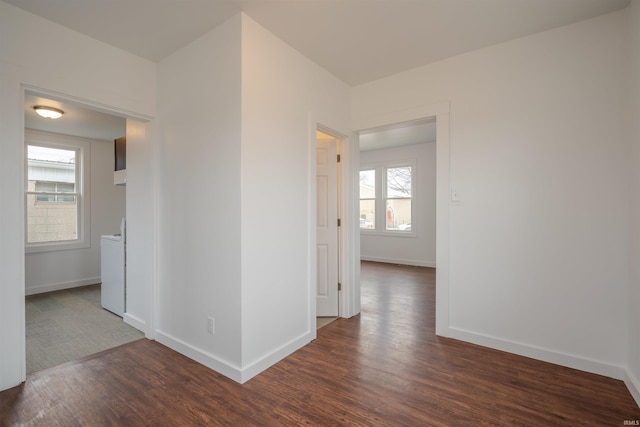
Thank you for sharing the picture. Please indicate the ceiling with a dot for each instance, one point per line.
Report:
(416, 132)
(76, 120)
(358, 41)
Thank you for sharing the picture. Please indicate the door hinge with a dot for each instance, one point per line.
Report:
(339, 286)
(338, 158)
(339, 222)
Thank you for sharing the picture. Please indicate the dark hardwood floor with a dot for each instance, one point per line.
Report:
(383, 367)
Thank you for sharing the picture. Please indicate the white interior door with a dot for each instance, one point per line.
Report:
(327, 227)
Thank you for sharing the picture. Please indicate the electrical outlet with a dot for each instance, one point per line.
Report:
(211, 325)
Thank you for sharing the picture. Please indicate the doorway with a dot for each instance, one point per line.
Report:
(443, 190)
(64, 315)
(328, 226)
(398, 194)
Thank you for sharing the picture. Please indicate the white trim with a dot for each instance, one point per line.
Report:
(137, 323)
(443, 189)
(221, 366)
(389, 233)
(228, 369)
(349, 252)
(153, 312)
(386, 260)
(539, 353)
(349, 170)
(312, 263)
(83, 187)
(21, 247)
(254, 368)
(632, 384)
(50, 287)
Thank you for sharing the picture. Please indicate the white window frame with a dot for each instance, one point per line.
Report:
(374, 198)
(381, 198)
(83, 174)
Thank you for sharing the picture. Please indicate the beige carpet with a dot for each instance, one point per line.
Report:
(66, 325)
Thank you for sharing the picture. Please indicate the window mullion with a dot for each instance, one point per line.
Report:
(53, 193)
(381, 202)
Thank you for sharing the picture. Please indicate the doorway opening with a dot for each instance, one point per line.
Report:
(398, 194)
(75, 157)
(425, 114)
(327, 228)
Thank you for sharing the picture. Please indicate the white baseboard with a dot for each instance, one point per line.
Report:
(50, 287)
(137, 323)
(538, 353)
(633, 385)
(386, 260)
(270, 359)
(224, 367)
(228, 369)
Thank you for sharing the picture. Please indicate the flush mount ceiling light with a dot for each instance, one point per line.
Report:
(48, 112)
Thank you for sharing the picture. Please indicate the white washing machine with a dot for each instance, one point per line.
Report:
(113, 261)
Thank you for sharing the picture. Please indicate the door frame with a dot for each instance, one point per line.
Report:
(349, 240)
(335, 195)
(443, 190)
(143, 120)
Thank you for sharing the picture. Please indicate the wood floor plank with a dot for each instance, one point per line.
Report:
(383, 367)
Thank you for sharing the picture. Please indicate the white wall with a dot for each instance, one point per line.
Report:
(84, 69)
(234, 200)
(199, 199)
(421, 249)
(281, 89)
(50, 271)
(197, 160)
(633, 367)
(538, 154)
(141, 226)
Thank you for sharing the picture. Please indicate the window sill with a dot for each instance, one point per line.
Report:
(55, 246)
(365, 232)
